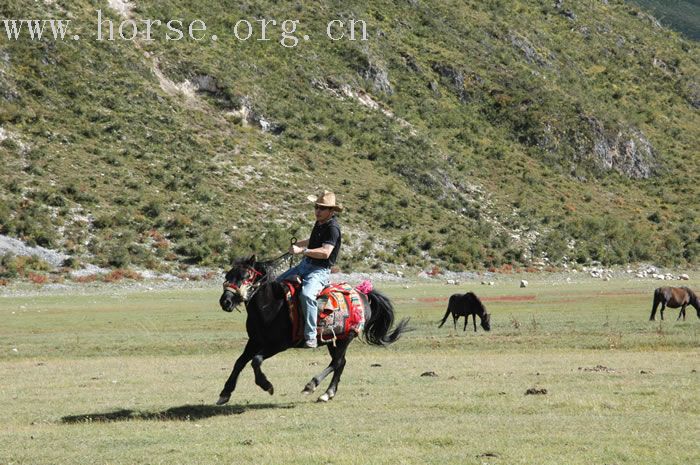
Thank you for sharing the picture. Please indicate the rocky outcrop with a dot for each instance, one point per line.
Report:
(458, 80)
(378, 76)
(531, 54)
(691, 92)
(626, 150)
(248, 116)
(566, 12)
(123, 7)
(205, 83)
(7, 90)
(591, 145)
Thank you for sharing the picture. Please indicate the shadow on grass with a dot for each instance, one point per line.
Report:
(182, 413)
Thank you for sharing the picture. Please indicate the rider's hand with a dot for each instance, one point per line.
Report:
(295, 250)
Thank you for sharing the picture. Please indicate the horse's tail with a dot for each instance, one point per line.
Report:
(380, 321)
(658, 297)
(447, 313)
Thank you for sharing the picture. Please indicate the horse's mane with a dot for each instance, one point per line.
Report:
(691, 293)
(269, 269)
(477, 301)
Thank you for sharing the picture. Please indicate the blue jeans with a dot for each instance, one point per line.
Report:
(314, 279)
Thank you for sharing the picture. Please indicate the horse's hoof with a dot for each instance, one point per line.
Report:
(324, 398)
(222, 400)
(270, 390)
(308, 389)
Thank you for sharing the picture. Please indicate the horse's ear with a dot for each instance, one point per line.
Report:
(252, 260)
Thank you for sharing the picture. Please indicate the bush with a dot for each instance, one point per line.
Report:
(120, 273)
(152, 209)
(117, 256)
(38, 278)
(72, 263)
(8, 266)
(195, 251)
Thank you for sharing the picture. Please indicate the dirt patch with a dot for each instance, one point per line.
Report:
(432, 300)
(613, 293)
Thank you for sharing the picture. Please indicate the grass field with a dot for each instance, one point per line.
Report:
(130, 377)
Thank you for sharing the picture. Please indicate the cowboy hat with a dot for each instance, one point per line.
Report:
(327, 199)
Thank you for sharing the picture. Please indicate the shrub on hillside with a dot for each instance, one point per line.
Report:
(117, 255)
(8, 266)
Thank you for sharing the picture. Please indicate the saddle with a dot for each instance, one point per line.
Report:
(341, 311)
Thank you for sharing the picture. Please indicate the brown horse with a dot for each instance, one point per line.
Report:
(465, 305)
(674, 297)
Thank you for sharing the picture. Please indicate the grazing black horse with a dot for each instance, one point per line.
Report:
(465, 305)
(270, 327)
(674, 297)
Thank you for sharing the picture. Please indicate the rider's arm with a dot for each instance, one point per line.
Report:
(298, 247)
(322, 252)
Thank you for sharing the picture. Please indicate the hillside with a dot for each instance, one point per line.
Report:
(459, 134)
(681, 15)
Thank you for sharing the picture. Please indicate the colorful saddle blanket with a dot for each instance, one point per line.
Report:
(341, 312)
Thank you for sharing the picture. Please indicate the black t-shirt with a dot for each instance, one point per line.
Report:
(326, 233)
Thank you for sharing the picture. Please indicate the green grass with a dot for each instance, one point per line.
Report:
(131, 377)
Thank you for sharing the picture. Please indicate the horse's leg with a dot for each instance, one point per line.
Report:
(455, 317)
(653, 309)
(316, 380)
(474, 318)
(260, 378)
(466, 322)
(663, 307)
(682, 312)
(230, 386)
(338, 364)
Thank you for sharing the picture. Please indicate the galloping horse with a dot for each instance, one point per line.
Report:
(465, 305)
(269, 326)
(674, 297)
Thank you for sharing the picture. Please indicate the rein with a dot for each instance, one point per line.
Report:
(253, 277)
(253, 281)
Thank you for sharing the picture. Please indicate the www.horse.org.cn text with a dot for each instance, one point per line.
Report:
(286, 33)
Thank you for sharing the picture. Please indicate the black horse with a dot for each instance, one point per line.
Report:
(465, 305)
(674, 297)
(269, 326)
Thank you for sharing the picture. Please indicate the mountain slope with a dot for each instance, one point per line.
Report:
(681, 15)
(459, 134)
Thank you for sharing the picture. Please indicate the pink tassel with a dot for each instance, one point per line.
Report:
(365, 287)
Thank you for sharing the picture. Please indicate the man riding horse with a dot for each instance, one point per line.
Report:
(320, 253)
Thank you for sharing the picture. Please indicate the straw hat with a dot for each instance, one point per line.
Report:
(327, 199)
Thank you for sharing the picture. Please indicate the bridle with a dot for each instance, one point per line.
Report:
(251, 280)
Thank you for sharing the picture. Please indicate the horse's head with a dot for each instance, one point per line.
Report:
(486, 321)
(694, 300)
(240, 281)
